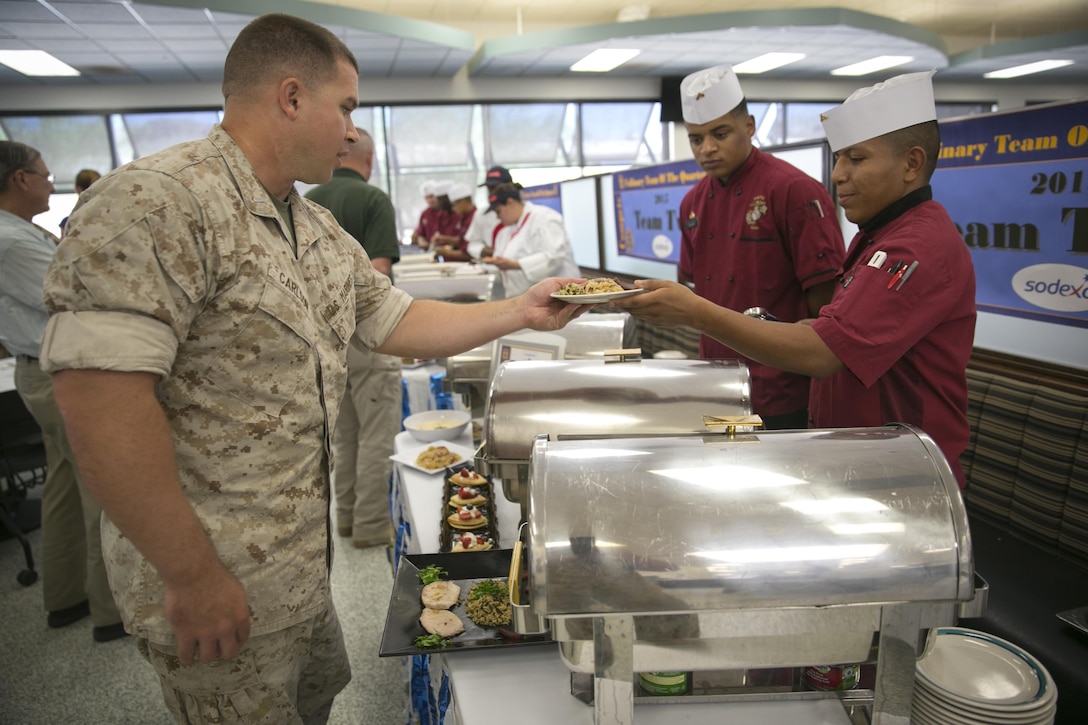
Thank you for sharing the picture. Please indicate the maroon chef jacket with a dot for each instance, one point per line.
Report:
(457, 225)
(760, 240)
(905, 346)
(431, 221)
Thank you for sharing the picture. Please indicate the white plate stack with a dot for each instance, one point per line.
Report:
(969, 677)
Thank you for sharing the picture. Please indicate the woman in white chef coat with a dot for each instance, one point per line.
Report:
(531, 243)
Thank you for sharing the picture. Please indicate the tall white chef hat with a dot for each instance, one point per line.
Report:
(441, 188)
(709, 94)
(459, 191)
(896, 103)
(427, 188)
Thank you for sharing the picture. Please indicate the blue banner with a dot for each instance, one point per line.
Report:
(647, 203)
(1016, 185)
(546, 195)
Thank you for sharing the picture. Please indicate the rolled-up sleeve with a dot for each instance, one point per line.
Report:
(125, 285)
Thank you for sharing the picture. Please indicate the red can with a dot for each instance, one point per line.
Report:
(832, 677)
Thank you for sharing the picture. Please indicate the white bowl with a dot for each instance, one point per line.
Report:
(436, 425)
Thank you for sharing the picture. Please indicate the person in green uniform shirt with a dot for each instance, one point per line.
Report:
(370, 414)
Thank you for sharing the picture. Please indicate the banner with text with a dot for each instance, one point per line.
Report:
(1016, 185)
(647, 203)
(546, 195)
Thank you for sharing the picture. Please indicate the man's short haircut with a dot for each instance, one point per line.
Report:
(15, 156)
(86, 177)
(740, 111)
(278, 46)
(927, 135)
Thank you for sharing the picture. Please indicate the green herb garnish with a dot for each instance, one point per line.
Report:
(487, 588)
(430, 641)
(431, 574)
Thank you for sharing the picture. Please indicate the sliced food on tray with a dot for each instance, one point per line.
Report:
(440, 595)
(467, 517)
(442, 622)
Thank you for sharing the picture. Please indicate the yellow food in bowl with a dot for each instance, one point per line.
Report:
(437, 425)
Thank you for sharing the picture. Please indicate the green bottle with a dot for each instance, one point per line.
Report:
(665, 683)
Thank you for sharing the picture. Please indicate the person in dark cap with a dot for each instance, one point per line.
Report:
(497, 175)
(482, 233)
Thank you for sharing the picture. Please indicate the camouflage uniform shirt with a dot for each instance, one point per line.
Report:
(179, 264)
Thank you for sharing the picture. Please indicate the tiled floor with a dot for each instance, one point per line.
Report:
(53, 676)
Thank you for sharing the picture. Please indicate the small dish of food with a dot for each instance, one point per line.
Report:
(434, 425)
(433, 458)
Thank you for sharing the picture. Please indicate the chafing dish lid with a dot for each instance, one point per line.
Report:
(768, 519)
(569, 398)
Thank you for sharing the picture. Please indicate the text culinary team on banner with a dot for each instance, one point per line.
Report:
(544, 195)
(1016, 185)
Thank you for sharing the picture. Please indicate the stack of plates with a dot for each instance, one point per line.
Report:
(970, 677)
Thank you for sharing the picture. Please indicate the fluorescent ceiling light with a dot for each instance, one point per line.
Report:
(766, 62)
(872, 65)
(603, 60)
(1027, 69)
(36, 63)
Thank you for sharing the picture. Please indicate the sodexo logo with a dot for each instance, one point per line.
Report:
(1058, 287)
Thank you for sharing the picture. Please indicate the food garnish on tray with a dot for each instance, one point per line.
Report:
(404, 632)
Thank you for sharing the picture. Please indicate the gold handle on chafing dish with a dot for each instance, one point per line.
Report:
(622, 355)
(513, 582)
(731, 422)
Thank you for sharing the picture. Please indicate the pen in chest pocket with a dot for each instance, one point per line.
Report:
(905, 275)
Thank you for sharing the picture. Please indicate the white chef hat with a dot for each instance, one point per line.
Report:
(427, 187)
(441, 188)
(709, 94)
(459, 191)
(898, 102)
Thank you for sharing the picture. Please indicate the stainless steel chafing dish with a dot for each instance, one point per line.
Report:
(587, 338)
(758, 549)
(579, 398)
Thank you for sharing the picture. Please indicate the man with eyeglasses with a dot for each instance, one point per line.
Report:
(73, 574)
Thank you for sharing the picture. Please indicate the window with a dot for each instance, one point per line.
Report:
(141, 134)
(67, 143)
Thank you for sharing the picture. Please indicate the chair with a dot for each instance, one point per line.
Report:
(22, 466)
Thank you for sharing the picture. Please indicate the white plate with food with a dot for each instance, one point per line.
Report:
(586, 298)
(429, 459)
(594, 291)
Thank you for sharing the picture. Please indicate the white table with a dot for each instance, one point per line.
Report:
(530, 685)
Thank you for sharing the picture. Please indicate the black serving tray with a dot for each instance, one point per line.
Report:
(448, 533)
(402, 620)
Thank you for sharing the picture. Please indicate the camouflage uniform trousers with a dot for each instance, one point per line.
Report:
(289, 677)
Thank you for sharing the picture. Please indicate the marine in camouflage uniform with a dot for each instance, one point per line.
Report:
(249, 338)
(201, 314)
